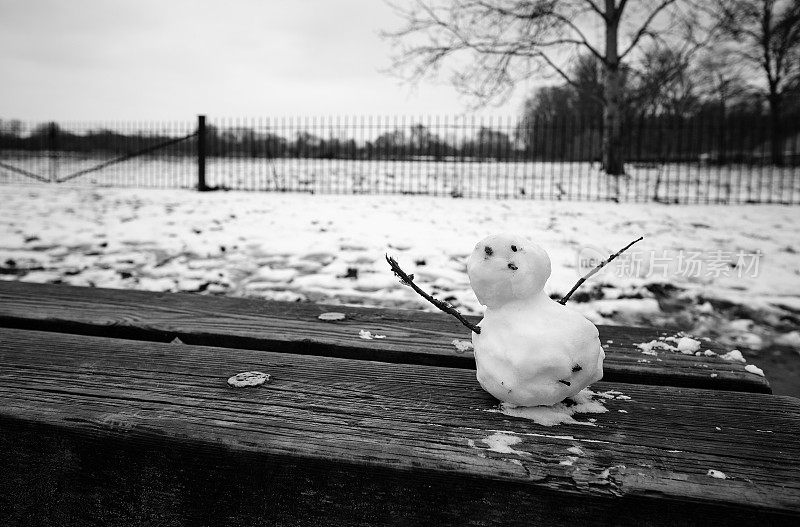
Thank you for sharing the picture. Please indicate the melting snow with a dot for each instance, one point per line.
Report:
(558, 413)
(367, 335)
(683, 344)
(754, 369)
(462, 345)
(733, 356)
(688, 345)
(332, 316)
(613, 394)
(248, 378)
(648, 348)
(500, 442)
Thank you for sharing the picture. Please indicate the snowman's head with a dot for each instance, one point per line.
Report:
(506, 267)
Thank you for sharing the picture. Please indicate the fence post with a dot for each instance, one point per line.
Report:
(201, 153)
(52, 135)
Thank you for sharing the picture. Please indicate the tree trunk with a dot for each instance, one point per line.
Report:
(613, 163)
(612, 126)
(775, 129)
(722, 158)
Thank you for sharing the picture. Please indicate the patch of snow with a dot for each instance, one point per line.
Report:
(332, 315)
(607, 472)
(501, 443)
(623, 306)
(705, 307)
(734, 356)
(791, 339)
(156, 284)
(375, 282)
(189, 284)
(368, 335)
(687, 345)
(613, 394)
(741, 324)
(42, 277)
(462, 345)
(750, 340)
(683, 344)
(559, 413)
(754, 370)
(649, 348)
(268, 274)
(248, 378)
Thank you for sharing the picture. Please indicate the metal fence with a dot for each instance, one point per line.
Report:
(703, 159)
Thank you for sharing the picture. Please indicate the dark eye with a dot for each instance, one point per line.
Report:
(514, 248)
(488, 250)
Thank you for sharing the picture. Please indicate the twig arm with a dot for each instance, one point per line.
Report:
(408, 280)
(594, 271)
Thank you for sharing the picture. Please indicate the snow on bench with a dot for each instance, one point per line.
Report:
(97, 430)
(408, 336)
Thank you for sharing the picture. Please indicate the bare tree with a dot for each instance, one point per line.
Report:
(494, 44)
(720, 84)
(665, 83)
(765, 34)
(719, 77)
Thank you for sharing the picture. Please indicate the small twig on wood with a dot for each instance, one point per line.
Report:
(594, 271)
(408, 280)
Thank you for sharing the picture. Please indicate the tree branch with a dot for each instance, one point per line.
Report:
(558, 70)
(594, 271)
(581, 36)
(594, 7)
(408, 280)
(645, 27)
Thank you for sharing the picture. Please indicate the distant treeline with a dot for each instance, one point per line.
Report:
(562, 133)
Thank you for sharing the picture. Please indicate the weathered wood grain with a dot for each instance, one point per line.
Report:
(411, 336)
(162, 418)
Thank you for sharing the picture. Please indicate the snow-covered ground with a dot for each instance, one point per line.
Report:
(729, 272)
(670, 182)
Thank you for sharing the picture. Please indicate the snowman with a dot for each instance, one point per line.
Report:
(531, 350)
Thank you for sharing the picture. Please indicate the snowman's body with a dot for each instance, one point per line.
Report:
(531, 350)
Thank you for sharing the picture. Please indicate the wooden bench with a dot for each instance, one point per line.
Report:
(104, 421)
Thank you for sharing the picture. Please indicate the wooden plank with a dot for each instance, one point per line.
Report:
(411, 336)
(84, 417)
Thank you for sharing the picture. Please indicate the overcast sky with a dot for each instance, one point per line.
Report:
(173, 59)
